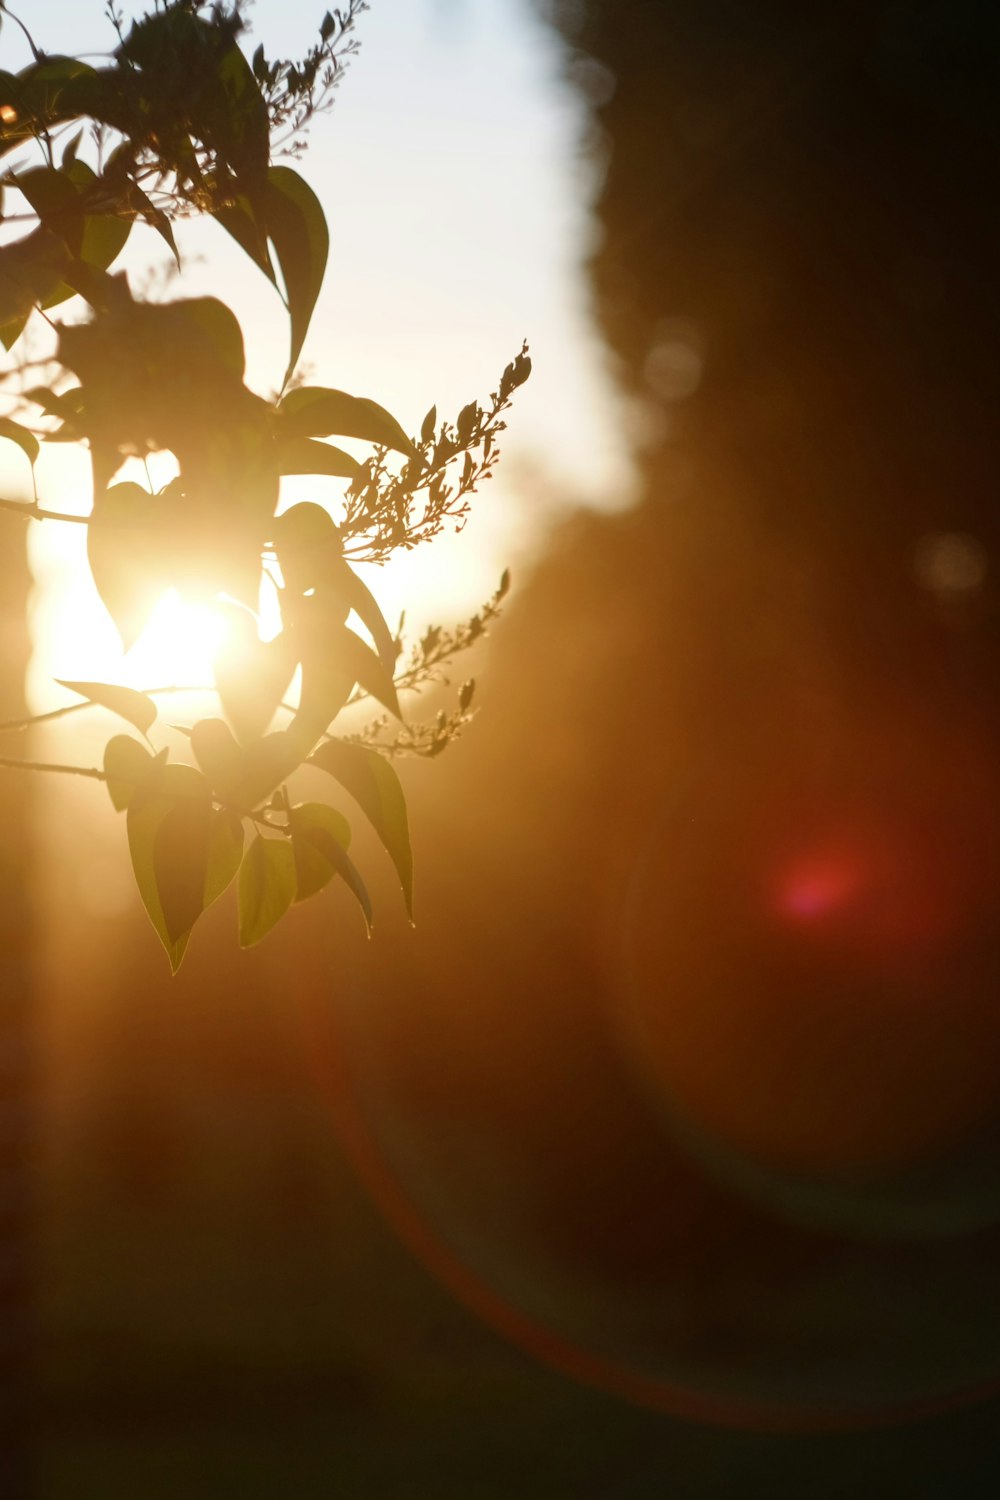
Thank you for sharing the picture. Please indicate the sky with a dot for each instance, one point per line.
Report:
(458, 197)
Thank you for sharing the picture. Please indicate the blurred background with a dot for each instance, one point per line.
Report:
(660, 1156)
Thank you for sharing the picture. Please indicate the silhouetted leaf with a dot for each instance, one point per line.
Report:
(30, 270)
(127, 767)
(365, 667)
(428, 426)
(316, 411)
(218, 754)
(333, 660)
(181, 862)
(206, 328)
(25, 440)
(252, 675)
(137, 708)
(126, 549)
(240, 222)
(308, 547)
(375, 787)
(304, 456)
(315, 827)
(310, 552)
(296, 227)
(54, 198)
(266, 887)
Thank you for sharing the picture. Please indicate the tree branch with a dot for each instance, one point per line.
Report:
(32, 511)
(37, 765)
(13, 725)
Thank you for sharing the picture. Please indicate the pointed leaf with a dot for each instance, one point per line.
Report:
(25, 440)
(138, 708)
(375, 787)
(360, 662)
(240, 222)
(225, 852)
(315, 826)
(180, 861)
(217, 753)
(266, 887)
(296, 227)
(317, 411)
(252, 675)
(126, 549)
(177, 864)
(127, 767)
(304, 456)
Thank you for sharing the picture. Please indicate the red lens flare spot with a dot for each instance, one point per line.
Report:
(819, 887)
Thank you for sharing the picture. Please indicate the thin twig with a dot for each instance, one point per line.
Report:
(38, 765)
(12, 725)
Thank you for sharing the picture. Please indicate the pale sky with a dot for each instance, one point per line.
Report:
(459, 213)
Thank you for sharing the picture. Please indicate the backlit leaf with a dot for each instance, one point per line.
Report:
(138, 708)
(296, 227)
(375, 787)
(252, 675)
(267, 887)
(25, 440)
(240, 222)
(125, 547)
(127, 767)
(180, 862)
(316, 829)
(304, 456)
(225, 852)
(316, 411)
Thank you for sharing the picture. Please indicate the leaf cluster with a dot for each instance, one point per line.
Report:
(183, 121)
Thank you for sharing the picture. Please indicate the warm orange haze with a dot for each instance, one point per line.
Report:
(658, 1155)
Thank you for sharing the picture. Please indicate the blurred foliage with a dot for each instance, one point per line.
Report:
(181, 122)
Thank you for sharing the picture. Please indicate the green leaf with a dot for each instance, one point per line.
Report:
(241, 776)
(296, 227)
(177, 861)
(333, 660)
(304, 456)
(310, 552)
(308, 547)
(180, 861)
(55, 199)
(225, 852)
(25, 440)
(30, 270)
(207, 330)
(218, 754)
(316, 411)
(138, 708)
(266, 887)
(375, 787)
(360, 662)
(240, 222)
(128, 766)
(315, 829)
